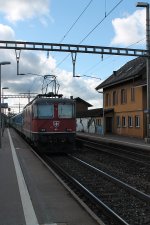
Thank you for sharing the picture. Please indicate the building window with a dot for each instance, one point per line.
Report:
(115, 98)
(137, 121)
(130, 121)
(132, 94)
(118, 121)
(123, 96)
(107, 100)
(123, 121)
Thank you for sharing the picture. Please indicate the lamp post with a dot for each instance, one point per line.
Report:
(4, 111)
(3, 93)
(146, 5)
(1, 63)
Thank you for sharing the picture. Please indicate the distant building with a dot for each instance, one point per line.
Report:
(81, 105)
(90, 121)
(125, 94)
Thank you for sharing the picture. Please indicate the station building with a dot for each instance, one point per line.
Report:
(125, 96)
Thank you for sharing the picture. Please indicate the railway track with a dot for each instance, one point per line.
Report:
(129, 171)
(131, 153)
(114, 201)
(124, 166)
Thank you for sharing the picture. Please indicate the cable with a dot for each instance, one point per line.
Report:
(76, 21)
(72, 27)
(94, 28)
(90, 76)
(101, 20)
(95, 65)
(105, 8)
(136, 42)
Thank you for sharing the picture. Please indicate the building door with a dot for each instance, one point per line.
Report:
(109, 124)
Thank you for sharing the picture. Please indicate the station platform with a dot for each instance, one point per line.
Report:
(118, 139)
(30, 194)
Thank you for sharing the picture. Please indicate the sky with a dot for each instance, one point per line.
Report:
(115, 23)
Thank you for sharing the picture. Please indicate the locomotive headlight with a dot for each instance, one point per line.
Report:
(68, 129)
(43, 130)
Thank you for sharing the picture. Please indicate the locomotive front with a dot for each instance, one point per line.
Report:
(53, 124)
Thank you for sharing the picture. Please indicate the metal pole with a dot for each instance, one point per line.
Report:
(103, 116)
(2, 96)
(74, 55)
(19, 105)
(148, 71)
(0, 113)
(55, 84)
(2, 63)
(146, 5)
(29, 97)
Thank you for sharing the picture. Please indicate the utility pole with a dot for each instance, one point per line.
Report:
(146, 5)
(1, 64)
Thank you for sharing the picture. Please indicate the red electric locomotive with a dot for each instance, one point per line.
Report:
(49, 123)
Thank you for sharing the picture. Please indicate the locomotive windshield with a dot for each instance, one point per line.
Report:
(65, 111)
(45, 111)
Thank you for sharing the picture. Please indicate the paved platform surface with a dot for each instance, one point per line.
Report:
(127, 141)
(29, 193)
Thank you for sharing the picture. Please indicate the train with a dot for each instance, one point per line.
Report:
(48, 122)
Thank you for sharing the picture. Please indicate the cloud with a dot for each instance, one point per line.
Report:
(17, 10)
(130, 29)
(35, 62)
(6, 32)
(32, 63)
(79, 87)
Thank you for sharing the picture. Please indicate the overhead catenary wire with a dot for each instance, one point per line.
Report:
(76, 21)
(105, 8)
(96, 64)
(107, 14)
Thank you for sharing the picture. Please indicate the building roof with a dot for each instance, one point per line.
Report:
(90, 113)
(80, 100)
(93, 113)
(130, 70)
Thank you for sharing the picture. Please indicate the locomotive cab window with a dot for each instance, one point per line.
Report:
(44, 111)
(65, 111)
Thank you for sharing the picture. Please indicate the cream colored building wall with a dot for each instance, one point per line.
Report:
(130, 108)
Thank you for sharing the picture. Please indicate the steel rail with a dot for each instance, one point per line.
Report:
(90, 195)
(128, 187)
(87, 144)
(135, 151)
(120, 155)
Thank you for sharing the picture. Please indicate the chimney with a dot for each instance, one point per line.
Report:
(114, 73)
